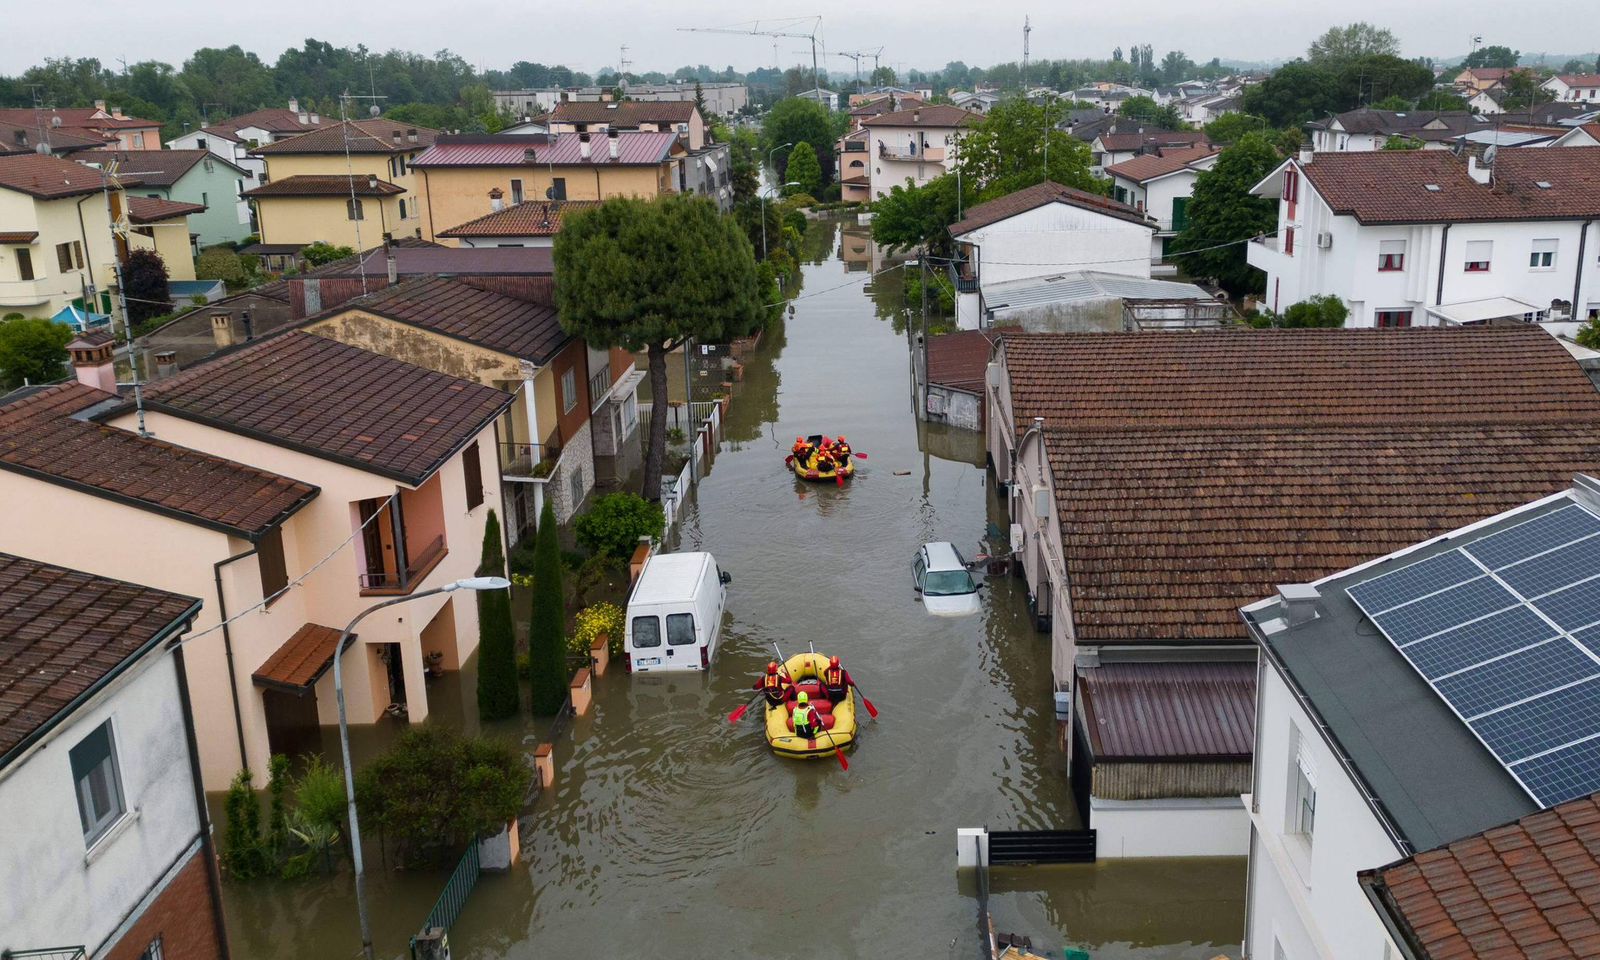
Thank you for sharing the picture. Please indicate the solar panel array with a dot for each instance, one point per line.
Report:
(1506, 629)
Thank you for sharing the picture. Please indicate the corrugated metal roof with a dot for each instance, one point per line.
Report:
(1083, 286)
(558, 149)
(1169, 711)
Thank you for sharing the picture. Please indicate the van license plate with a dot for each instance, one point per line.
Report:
(648, 662)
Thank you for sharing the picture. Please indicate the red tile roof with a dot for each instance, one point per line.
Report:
(23, 137)
(62, 634)
(324, 185)
(19, 236)
(1149, 166)
(960, 359)
(338, 402)
(154, 168)
(1581, 79)
(1156, 138)
(271, 119)
(45, 436)
(155, 209)
(363, 136)
(51, 178)
(625, 113)
(77, 119)
(936, 115)
(455, 308)
(1038, 195)
(1169, 711)
(562, 149)
(1530, 888)
(535, 218)
(302, 659)
(1392, 186)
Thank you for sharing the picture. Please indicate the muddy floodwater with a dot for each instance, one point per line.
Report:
(670, 833)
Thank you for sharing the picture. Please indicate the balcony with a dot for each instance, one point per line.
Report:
(400, 539)
(28, 293)
(599, 386)
(403, 581)
(528, 461)
(911, 153)
(964, 276)
(1264, 253)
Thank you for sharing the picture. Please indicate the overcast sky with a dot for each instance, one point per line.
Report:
(585, 34)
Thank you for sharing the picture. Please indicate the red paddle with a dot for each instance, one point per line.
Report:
(738, 714)
(870, 708)
(843, 763)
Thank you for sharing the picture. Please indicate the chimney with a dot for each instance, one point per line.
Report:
(616, 146)
(100, 105)
(222, 329)
(316, 120)
(249, 328)
(411, 134)
(1298, 602)
(916, 116)
(303, 118)
(92, 361)
(166, 364)
(294, 105)
(393, 268)
(497, 200)
(1305, 157)
(396, 138)
(1481, 174)
(117, 112)
(530, 156)
(583, 146)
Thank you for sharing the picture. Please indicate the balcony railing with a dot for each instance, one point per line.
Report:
(528, 461)
(419, 566)
(911, 153)
(964, 277)
(599, 386)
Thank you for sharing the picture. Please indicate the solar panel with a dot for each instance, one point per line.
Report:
(1507, 631)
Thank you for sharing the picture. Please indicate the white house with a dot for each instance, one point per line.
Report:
(1586, 135)
(1583, 87)
(1369, 129)
(1121, 143)
(1160, 184)
(980, 102)
(108, 851)
(913, 145)
(1414, 238)
(233, 140)
(1367, 780)
(828, 98)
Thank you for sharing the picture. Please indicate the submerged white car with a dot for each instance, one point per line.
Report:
(948, 588)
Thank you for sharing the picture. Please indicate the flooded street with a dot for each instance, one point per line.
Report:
(670, 833)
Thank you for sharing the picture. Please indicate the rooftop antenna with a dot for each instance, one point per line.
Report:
(623, 63)
(119, 243)
(344, 131)
(1027, 28)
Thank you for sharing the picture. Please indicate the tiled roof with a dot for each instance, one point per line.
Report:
(430, 258)
(1530, 888)
(1194, 472)
(1169, 711)
(1148, 166)
(1029, 198)
(62, 633)
(934, 115)
(155, 209)
(271, 119)
(342, 403)
(51, 178)
(564, 149)
(41, 437)
(19, 236)
(323, 185)
(77, 119)
(535, 218)
(959, 359)
(364, 136)
(302, 660)
(457, 309)
(1154, 138)
(1392, 186)
(154, 168)
(625, 113)
(58, 139)
(1581, 79)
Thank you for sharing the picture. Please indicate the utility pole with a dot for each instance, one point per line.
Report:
(1027, 28)
(119, 243)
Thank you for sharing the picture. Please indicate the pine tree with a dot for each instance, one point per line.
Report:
(804, 169)
(498, 696)
(547, 644)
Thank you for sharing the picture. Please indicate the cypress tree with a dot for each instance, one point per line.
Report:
(547, 647)
(498, 696)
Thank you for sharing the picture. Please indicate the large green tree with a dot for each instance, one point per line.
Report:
(912, 216)
(1223, 214)
(547, 628)
(1009, 149)
(1522, 90)
(1343, 44)
(1492, 56)
(804, 170)
(32, 351)
(791, 121)
(648, 275)
(498, 696)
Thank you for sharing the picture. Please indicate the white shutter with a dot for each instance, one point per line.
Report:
(1391, 248)
(1544, 246)
(1302, 759)
(1480, 251)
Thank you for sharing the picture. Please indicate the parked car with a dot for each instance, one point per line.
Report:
(940, 574)
(675, 613)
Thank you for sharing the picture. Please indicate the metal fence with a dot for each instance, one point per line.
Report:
(448, 907)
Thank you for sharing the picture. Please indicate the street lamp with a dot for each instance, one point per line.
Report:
(764, 200)
(471, 583)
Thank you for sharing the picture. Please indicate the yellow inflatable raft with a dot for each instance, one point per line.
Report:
(822, 476)
(839, 719)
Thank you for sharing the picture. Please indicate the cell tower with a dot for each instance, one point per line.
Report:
(1027, 28)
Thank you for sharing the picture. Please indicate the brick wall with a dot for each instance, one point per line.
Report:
(183, 916)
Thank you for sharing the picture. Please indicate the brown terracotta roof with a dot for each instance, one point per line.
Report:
(960, 359)
(1157, 138)
(302, 660)
(934, 115)
(155, 209)
(271, 119)
(23, 137)
(51, 178)
(62, 634)
(154, 168)
(625, 113)
(535, 218)
(338, 402)
(528, 331)
(46, 436)
(1528, 889)
(323, 185)
(73, 118)
(19, 236)
(1392, 186)
(1581, 79)
(1169, 711)
(1029, 198)
(1148, 166)
(364, 136)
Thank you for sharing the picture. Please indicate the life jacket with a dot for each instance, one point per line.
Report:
(805, 715)
(773, 685)
(833, 678)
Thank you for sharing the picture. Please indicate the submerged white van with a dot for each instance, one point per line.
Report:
(675, 613)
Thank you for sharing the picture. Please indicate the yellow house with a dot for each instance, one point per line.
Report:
(669, 116)
(346, 184)
(163, 226)
(460, 174)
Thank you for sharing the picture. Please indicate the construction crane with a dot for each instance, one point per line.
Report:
(784, 28)
(857, 56)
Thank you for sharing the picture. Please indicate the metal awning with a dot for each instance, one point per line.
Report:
(301, 661)
(1481, 311)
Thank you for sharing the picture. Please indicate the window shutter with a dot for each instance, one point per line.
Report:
(473, 465)
(1479, 251)
(1302, 759)
(269, 555)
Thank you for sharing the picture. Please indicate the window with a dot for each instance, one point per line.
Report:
(153, 951)
(1478, 255)
(200, 143)
(1391, 255)
(274, 571)
(353, 209)
(516, 191)
(473, 466)
(1288, 241)
(1543, 256)
(1303, 799)
(558, 188)
(205, 199)
(77, 253)
(949, 583)
(646, 632)
(1291, 191)
(138, 141)
(99, 787)
(24, 265)
(402, 210)
(680, 629)
(569, 389)
(64, 256)
(1392, 318)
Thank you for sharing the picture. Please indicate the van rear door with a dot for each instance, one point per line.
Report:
(683, 641)
(644, 643)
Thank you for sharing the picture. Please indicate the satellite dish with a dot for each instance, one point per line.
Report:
(373, 111)
(55, 121)
(1489, 154)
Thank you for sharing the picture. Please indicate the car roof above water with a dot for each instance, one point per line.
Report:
(942, 555)
(670, 578)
